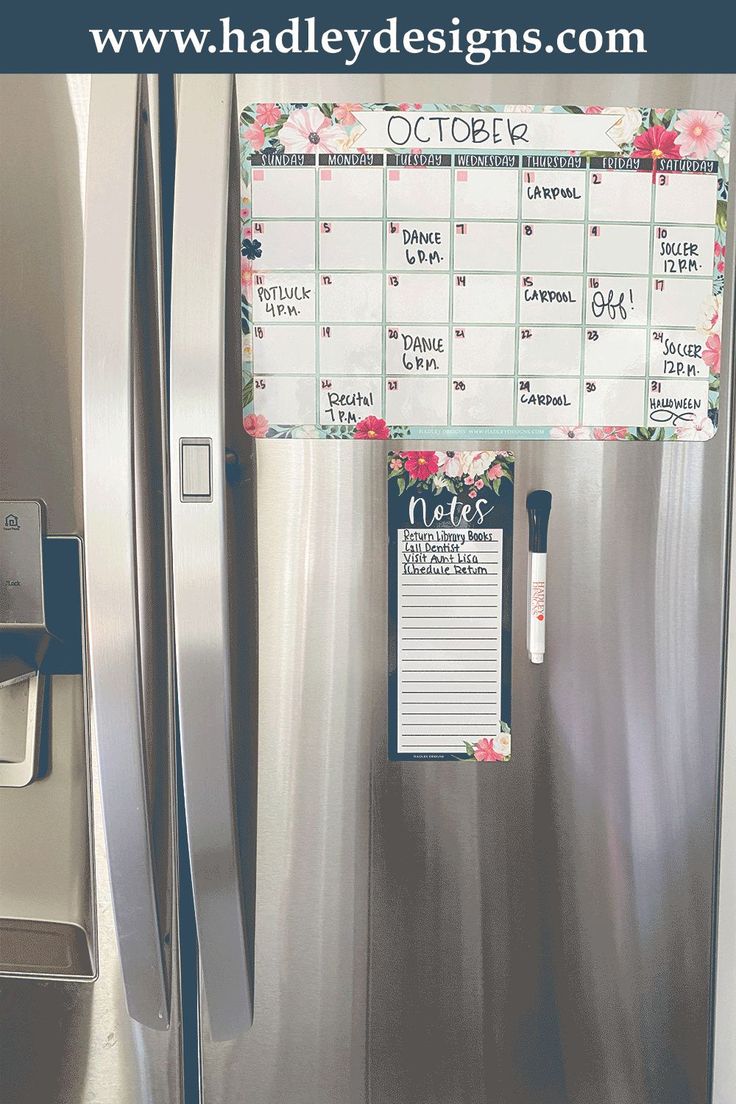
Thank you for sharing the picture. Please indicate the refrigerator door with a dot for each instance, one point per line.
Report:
(207, 512)
(539, 932)
(66, 1042)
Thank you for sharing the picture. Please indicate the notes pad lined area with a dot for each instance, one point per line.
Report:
(449, 638)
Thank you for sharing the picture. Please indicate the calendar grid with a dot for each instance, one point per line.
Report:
(517, 304)
(650, 293)
(597, 290)
(584, 327)
(384, 321)
(451, 297)
(317, 298)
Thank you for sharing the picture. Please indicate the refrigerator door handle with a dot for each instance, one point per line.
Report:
(110, 359)
(202, 617)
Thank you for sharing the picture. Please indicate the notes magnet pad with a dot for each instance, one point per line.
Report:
(450, 522)
(475, 272)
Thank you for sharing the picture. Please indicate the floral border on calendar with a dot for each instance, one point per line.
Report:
(465, 474)
(649, 133)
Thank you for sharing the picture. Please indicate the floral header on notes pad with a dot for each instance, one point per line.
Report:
(468, 271)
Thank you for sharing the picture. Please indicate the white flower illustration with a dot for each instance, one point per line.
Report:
(701, 430)
(625, 127)
(450, 463)
(710, 315)
(476, 463)
(502, 744)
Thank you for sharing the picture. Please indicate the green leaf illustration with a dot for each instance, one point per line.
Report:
(247, 391)
(721, 220)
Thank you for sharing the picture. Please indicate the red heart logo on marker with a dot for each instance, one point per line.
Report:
(540, 617)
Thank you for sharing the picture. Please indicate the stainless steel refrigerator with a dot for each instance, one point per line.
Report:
(206, 740)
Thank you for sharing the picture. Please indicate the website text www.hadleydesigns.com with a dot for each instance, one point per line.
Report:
(303, 35)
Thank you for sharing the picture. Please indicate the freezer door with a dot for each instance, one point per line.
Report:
(112, 384)
(89, 443)
(537, 932)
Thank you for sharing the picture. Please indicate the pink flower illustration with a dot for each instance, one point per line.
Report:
(254, 134)
(408, 106)
(712, 354)
(719, 256)
(244, 212)
(344, 113)
(468, 481)
(570, 433)
(371, 429)
(485, 752)
(307, 130)
(479, 484)
(656, 142)
(494, 472)
(700, 132)
(472, 494)
(610, 433)
(420, 465)
(268, 114)
(246, 278)
(256, 425)
(593, 110)
(396, 463)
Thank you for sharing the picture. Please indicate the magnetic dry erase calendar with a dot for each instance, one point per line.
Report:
(450, 541)
(464, 271)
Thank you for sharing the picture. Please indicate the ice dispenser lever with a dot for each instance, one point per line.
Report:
(24, 639)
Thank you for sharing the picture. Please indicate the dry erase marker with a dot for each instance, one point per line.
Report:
(538, 506)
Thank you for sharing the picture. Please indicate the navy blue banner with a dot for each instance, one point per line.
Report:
(331, 37)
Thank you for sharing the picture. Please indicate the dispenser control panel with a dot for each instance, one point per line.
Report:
(22, 527)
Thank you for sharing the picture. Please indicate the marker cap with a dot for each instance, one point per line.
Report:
(538, 506)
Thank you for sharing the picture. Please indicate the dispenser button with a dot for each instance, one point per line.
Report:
(196, 469)
(22, 528)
